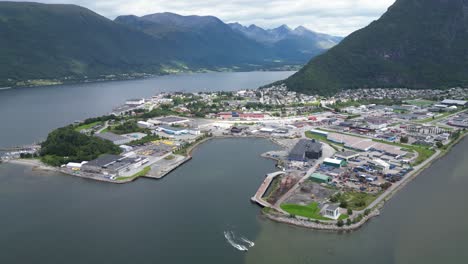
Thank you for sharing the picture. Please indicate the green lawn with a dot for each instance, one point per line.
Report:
(358, 200)
(343, 217)
(316, 136)
(311, 211)
(87, 126)
(420, 103)
(105, 130)
(136, 175)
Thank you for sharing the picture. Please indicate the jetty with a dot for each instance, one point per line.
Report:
(257, 198)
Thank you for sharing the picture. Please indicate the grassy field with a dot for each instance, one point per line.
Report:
(87, 126)
(357, 200)
(420, 103)
(311, 211)
(136, 175)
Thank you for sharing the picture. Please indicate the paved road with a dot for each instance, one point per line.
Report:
(106, 125)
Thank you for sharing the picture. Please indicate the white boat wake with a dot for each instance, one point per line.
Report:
(250, 243)
(236, 243)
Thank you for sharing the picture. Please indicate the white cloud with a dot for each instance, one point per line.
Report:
(338, 17)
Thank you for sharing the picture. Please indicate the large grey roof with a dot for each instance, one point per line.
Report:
(110, 136)
(104, 160)
(172, 128)
(346, 153)
(305, 145)
(171, 119)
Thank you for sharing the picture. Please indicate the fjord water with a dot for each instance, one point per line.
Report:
(52, 218)
(28, 114)
(49, 218)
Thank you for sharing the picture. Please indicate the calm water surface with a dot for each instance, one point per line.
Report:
(49, 218)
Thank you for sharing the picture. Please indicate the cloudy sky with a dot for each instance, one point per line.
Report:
(338, 17)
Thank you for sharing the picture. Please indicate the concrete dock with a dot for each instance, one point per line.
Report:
(264, 187)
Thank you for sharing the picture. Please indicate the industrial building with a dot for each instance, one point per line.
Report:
(337, 163)
(113, 164)
(169, 120)
(346, 155)
(306, 149)
(75, 166)
(450, 102)
(114, 138)
(107, 164)
(173, 130)
(320, 178)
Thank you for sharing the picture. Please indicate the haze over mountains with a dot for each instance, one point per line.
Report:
(288, 42)
(218, 43)
(415, 44)
(41, 41)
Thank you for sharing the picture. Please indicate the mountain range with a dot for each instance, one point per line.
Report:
(419, 44)
(217, 43)
(69, 42)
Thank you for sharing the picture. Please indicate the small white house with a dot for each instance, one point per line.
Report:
(332, 211)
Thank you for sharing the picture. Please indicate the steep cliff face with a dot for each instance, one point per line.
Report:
(415, 44)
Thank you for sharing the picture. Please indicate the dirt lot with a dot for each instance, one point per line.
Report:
(310, 192)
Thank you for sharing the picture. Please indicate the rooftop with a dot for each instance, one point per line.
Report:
(105, 160)
(332, 207)
(306, 145)
(456, 102)
(171, 119)
(346, 153)
(333, 161)
(172, 128)
(110, 136)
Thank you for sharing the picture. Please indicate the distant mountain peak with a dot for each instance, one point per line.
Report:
(284, 27)
(301, 29)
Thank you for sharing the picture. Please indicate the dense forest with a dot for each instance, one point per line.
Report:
(65, 144)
